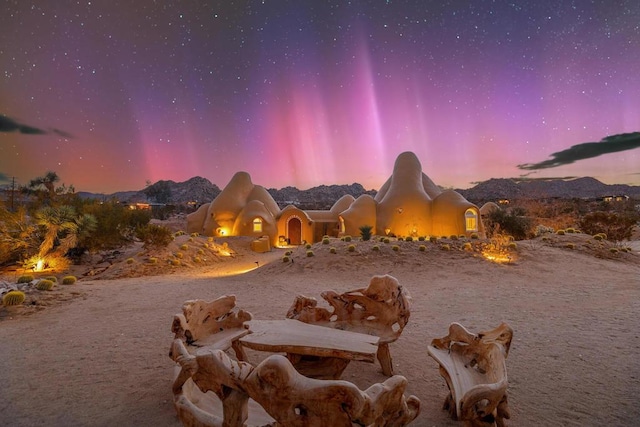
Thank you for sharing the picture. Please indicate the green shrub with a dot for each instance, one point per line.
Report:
(351, 248)
(365, 232)
(69, 280)
(13, 298)
(26, 278)
(325, 240)
(375, 248)
(422, 248)
(395, 248)
(153, 235)
(44, 285)
(309, 254)
(515, 223)
(184, 247)
(332, 250)
(286, 259)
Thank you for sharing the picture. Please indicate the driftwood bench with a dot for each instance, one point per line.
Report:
(381, 309)
(213, 390)
(474, 367)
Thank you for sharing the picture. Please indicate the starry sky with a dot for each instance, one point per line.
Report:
(113, 94)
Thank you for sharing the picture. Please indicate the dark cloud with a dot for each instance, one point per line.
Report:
(588, 150)
(7, 124)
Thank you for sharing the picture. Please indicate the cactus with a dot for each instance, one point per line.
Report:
(445, 247)
(395, 248)
(184, 247)
(152, 260)
(285, 259)
(422, 248)
(54, 279)
(69, 280)
(25, 278)
(130, 260)
(351, 248)
(332, 250)
(309, 253)
(474, 236)
(325, 240)
(13, 298)
(375, 248)
(44, 285)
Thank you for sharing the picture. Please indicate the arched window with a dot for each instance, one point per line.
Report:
(471, 220)
(257, 225)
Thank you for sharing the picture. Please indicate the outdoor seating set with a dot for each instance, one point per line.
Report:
(303, 386)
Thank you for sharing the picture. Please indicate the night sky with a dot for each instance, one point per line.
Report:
(111, 94)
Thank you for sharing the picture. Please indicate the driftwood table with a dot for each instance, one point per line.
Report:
(326, 351)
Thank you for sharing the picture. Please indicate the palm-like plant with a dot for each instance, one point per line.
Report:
(62, 226)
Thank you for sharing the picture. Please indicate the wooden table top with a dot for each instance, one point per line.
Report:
(293, 336)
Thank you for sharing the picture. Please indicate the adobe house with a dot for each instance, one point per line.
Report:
(408, 204)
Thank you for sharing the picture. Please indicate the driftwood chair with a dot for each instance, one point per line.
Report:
(380, 309)
(275, 394)
(474, 367)
(214, 325)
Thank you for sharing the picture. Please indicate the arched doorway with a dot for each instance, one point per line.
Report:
(294, 230)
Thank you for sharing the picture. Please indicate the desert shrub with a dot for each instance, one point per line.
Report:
(375, 248)
(421, 239)
(365, 232)
(467, 246)
(617, 226)
(184, 247)
(514, 223)
(116, 225)
(130, 260)
(351, 248)
(422, 248)
(286, 259)
(395, 248)
(54, 279)
(44, 285)
(445, 247)
(560, 232)
(325, 241)
(474, 236)
(307, 246)
(26, 278)
(13, 298)
(347, 238)
(152, 260)
(153, 235)
(543, 229)
(332, 250)
(69, 280)
(433, 239)
(309, 254)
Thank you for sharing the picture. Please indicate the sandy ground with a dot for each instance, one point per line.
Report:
(97, 353)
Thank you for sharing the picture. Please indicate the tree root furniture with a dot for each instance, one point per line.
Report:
(474, 367)
(381, 309)
(213, 390)
(315, 351)
(215, 325)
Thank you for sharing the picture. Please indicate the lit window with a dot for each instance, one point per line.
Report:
(471, 220)
(257, 225)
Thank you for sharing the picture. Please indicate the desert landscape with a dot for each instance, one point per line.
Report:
(96, 352)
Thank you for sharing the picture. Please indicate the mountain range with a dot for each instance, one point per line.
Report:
(198, 190)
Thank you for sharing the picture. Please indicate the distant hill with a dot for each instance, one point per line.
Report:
(581, 188)
(201, 190)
